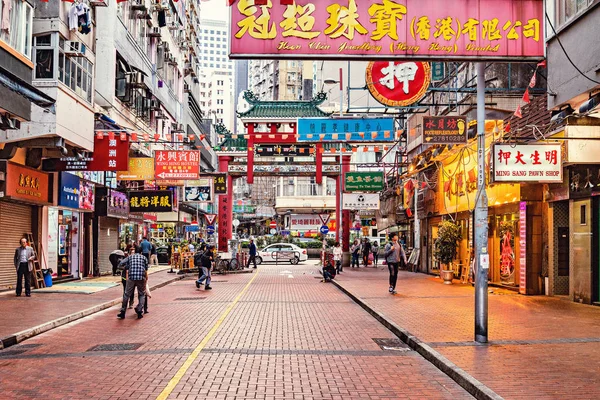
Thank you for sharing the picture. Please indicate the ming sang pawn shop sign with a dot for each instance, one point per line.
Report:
(527, 163)
(359, 29)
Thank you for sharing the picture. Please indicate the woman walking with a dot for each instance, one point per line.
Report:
(394, 254)
(355, 249)
(337, 257)
(375, 250)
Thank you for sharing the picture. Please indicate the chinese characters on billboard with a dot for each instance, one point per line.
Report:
(182, 164)
(398, 84)
(445, 130)
(527, 163)
(490, 29)
(151, 201)
(220, 184)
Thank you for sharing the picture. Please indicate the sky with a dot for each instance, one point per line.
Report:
(214, 9)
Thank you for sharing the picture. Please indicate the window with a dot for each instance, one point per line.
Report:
(44, 57)
(16, 24)
(75, 72)
(566, 10)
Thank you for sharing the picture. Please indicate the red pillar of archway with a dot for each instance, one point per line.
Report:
(225, 211)
(345, 213)
(250, 173)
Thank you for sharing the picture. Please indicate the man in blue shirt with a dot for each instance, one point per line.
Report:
(252, 253)
(136, 267)
(146, 247)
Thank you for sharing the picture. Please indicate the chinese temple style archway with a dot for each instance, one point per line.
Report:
(274, 123)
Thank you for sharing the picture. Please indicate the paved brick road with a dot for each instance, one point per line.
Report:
(541, 347)
(286, 338)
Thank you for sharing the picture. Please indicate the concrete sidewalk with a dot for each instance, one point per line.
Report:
(24, 317)
(540, 347)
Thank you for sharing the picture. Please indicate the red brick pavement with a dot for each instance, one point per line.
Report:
(21, 313)
(286, 338)
(540, 347)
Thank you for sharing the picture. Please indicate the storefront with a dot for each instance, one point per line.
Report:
(112, 207)
(131, 230)
(25, 191)
(69, 231)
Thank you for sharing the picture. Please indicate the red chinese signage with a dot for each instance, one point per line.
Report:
(26, 184)
(171, 164)
(111, 153)
(346, 29)
(398, 84)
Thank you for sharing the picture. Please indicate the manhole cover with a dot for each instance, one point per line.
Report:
(391, 344)
(116, 347)
(189, 298)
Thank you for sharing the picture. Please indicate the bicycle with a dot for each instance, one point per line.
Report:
(225, 263)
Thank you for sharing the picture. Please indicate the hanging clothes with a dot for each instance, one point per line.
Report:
(5, 23)
(73, 18)
(162, 18)
(84, 21)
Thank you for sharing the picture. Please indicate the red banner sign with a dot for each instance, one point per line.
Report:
(398, 84)
(171, 164)
(347, 29)
(111, 153)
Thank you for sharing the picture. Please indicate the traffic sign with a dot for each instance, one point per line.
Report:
(192, 228)
(273, 231)
(210, 230)
(210, 218)
(324, 229)
(236, 222)
(273, 224)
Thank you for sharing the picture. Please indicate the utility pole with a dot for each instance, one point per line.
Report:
(481, 218)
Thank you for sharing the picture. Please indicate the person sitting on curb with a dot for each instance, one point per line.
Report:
(328, 272)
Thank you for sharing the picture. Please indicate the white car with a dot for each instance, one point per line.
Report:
(282, 252)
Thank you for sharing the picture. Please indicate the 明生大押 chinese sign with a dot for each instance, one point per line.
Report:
(482, 29)
(527, 163)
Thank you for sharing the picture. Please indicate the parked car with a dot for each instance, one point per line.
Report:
(282, 252)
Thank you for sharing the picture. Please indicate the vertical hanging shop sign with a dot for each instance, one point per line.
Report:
(220, 184)
(523, 247)
(109, 155)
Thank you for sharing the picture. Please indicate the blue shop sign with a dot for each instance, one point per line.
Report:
(346, 130)
(69, 190)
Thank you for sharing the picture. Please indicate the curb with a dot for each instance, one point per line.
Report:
(457, 374)
(45, 327)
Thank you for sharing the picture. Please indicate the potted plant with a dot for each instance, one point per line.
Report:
(445, 249)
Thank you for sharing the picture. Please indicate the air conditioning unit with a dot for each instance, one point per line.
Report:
(154, 105)
(138, 5)
(165, 47)
(172, 60)
(98, 3)
(173, 26)
(177, 128)
(137, 79)
(74, 48)
(154, 32)
(159, 115)
(186, 88)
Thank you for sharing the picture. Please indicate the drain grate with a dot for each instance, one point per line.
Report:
(116, 347)
(218, 281)
(391, 344)
(189, 298)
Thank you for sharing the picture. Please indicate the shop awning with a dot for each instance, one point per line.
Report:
(26, 90)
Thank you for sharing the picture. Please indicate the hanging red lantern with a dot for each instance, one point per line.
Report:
(146, 137)
(180, 138)
(169, 137)
(191, 138)
(202, 137)
(123, 136)
(111, 135)
(134, 137)
(156, 137)
(99, 135)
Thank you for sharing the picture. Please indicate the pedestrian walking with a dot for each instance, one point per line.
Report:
(393, 254)
(251, 253)
(337, 257)
(375, 251)
(154, 255)
(366, 251)
(136, 271)
(23, 262)
(115, 258)
(355, 250)
(204, 261)
(146, 248)
(124, 283)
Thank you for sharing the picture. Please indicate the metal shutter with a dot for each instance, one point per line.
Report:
(15, 220)
(107, 244)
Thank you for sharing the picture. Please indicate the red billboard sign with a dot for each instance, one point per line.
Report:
(422, 29)
(176, 164)
(398, 84)
(109, 155)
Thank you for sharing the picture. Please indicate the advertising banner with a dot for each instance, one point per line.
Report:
(346, 130)
(305, 222)
(146, 201)
(527, 163)
(285, 150)
(140, 169)
(68, 191)
(360, 201)
(117, 204)
(220, 184)
(86, 195)
(198, 191)
(398, 83)
(363, 181)
(445, 130)
(177, 164)
(357, 29)
(108, 155)
(26, 184)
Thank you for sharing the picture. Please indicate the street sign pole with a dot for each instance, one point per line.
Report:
(481, 218)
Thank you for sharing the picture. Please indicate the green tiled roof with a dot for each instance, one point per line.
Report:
(284, 109)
